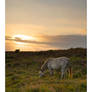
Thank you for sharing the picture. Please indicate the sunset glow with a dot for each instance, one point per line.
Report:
(24, 37)
(34, 25)
(21, 43)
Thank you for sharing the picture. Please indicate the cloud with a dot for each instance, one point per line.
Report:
(59, 41)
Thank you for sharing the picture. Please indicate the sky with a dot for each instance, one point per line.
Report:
(34, 25)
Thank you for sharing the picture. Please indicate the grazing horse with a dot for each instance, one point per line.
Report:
(55, 63)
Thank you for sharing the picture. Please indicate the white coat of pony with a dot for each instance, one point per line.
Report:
(54, 64)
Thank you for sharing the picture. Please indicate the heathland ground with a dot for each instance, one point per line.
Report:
(22, 72)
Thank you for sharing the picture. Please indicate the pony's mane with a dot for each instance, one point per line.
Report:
(44, 66)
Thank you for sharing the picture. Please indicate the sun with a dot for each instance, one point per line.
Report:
(24, 37)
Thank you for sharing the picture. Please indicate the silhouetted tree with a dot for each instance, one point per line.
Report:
(17, 50)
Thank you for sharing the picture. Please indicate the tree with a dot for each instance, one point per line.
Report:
(17, 50)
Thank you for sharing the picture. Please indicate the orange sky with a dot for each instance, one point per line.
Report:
(42, 19)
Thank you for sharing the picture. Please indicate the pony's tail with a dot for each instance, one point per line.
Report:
(70, 69)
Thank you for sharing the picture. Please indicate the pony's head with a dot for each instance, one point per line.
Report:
(41, 73)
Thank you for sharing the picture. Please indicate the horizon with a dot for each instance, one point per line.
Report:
(47, 50)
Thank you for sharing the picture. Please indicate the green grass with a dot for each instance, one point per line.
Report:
(22, 76)
(72, 86)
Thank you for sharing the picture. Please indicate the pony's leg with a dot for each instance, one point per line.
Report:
(62, 72)
(51, 71)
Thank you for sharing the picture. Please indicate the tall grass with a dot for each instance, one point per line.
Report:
(22, 74)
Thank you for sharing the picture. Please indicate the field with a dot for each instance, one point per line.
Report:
(22, 72)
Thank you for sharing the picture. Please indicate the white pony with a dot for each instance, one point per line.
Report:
(55, 63)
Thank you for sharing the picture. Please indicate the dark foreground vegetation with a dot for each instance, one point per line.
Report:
(22, 72)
